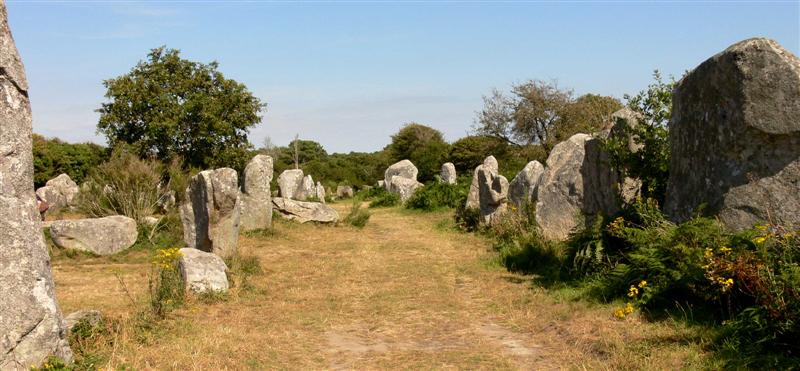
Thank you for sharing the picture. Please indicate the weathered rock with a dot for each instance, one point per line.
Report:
(403, 187)
(101, 236)
(307, 189)
(735, 138)
(344, 192)
(473, 197)
(150, 220)
(211, 221)
(576, 186)
(289, 182)
(382, 184)
(523, 187)
(91, 317)
(202, 271)
(31, 326)
(404, 169)
(493, 194)
(166, 201)
(59, 192)
(448, 175)
(320, 192)
(256, 198)
(302, 211)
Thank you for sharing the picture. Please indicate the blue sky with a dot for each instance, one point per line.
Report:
(350, 74)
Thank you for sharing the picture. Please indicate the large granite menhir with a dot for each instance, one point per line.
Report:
(256, 197)
(212, 212)
(31, 325)
(735, 138)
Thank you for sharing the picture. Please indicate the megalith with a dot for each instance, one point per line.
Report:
(211, 215)
(256, 197)
(523, 187)
(448, 174)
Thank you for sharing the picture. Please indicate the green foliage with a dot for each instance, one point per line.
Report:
(166, 286)
(650, 162)
(52, 157)
(422, 145)
(125, 185)
(587, 114)
(382, 198)
(357, 217)
(435, 195)
(168, 107)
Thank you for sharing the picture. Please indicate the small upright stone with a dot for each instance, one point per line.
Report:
(59, 192)
(404, 169)
(211, 219)
(473, 197)
(344, 191)
(320, 192)
(448, 175)
(306, 189)
(493, 194)
(203, 272)
(256, 197)
(289, 182)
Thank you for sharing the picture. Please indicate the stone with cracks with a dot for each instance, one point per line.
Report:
(59, 192)
(31, 326)
(735, 138)
(212, 213)
(522, 189)
(403, 187)
(493, 194)
(404, 169)
(307, 189)
(289, 182)
(256, 198)
(577, 185)
(448, 175)
(203, 272)
(303, 211)
(473, 197)
(101, 236)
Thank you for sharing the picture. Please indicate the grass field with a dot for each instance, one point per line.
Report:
(405, 292)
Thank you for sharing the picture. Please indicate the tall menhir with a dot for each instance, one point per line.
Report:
(31, 327)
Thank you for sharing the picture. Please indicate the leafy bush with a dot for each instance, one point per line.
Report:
(52, 157)
(467, 219)
(357, 217)
(125, 185)
(382, 198)
(166, 285)
(435, 195)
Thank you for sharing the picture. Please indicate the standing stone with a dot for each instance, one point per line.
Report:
(577, 185)
(344, 192)
(404, 187)
(101, 236)
(448, 175)
(320, 192)
(289, 182)
(213, 217)
(306, 189)
(31, 326)
(523, 187)
(256, 197)
(203, 272)
(473, 197)
(735, 138)
(404, 169)
(493, 194)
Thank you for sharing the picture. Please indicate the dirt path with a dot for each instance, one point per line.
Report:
(404, 292)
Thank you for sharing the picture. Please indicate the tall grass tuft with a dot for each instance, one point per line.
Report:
(357, 217)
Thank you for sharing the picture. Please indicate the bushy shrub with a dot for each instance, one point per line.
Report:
(166, 285)
(467, 219)
(382, 198)
(357, 217)
(435, 195)
(125, 185)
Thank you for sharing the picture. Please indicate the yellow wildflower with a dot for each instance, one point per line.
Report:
(759, 240)
(619, 313)
(629, 308)
(725, 249)
(642, 284)
(709, 253)
(633, 292)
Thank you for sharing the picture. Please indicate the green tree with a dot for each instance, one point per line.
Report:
(52, 157)
(650, 163)
(587, 114)
(422, 145)
(168, 107)
(307, 151)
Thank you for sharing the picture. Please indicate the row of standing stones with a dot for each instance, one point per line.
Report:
(735, 137)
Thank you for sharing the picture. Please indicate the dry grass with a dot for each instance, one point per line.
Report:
(399, 293)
